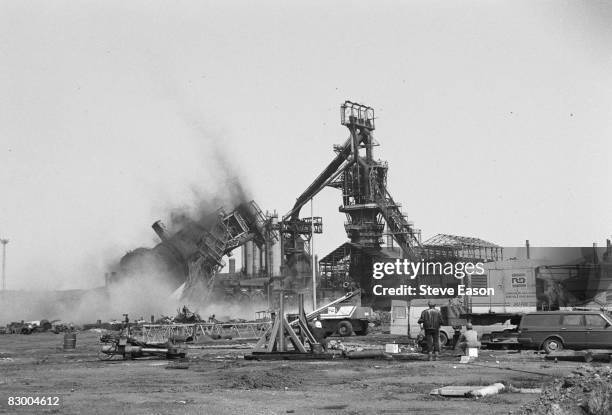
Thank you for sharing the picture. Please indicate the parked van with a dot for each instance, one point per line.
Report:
(556, 330)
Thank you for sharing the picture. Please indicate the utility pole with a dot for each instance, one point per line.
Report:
(312, 254)
(4, 242)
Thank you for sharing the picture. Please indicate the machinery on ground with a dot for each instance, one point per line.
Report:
(345, 320)
(29, 327)
(123, 344)
(129, 348)
(342, 318)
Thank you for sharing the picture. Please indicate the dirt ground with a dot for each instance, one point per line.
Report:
(220, 381)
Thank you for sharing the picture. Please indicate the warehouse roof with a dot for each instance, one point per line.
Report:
(442, 239)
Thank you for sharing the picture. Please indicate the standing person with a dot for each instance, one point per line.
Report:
(431, 319)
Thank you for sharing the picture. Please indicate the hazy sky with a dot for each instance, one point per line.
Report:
(495, 118)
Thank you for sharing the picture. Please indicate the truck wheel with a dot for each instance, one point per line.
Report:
(345, 328)
(552, 344)
(443, 339)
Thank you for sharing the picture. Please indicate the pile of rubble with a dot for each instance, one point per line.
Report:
(37, 326)
(348, 347)
(283, 378)
(587, 390)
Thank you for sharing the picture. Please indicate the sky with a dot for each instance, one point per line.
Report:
(495, 118)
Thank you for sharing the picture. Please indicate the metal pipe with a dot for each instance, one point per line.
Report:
(159, 229)
(318, 183)
(277, 256)
(281, 316)
(527, 246)
(249, 258)
(294, 212)
(312, 255)
(256, 260)
(4, 242)
(243, 258)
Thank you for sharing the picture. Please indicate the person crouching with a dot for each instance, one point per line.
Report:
(468, 339)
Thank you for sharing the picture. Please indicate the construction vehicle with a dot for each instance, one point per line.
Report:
(345, 320)
(341, 318)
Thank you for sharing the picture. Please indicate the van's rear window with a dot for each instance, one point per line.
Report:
(541, 320)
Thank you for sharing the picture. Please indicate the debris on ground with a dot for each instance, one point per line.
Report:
(347, 346)
(369, 354)
(343, 346)
(59, 326)
(493, 389)
(571, 355)
(185, 315)
(468, 391)
(179, 364)
(514, 389)
(36, 326)
(587, 390)
(336, 345)
(452, 391)
(283, 379)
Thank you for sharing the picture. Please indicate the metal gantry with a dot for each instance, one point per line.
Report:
(366, 201)
(161, 333)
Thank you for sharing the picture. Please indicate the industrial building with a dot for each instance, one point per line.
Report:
(276, 255)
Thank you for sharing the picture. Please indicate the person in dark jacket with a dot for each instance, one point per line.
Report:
(431, 319)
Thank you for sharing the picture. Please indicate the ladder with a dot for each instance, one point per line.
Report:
(402, 230)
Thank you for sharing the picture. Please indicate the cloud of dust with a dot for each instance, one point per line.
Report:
(125, 296)
(147, 292)
(138, 297)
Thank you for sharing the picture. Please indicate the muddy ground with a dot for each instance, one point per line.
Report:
(220, 381)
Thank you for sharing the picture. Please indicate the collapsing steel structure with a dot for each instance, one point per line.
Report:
(193, 254)
(277, 254)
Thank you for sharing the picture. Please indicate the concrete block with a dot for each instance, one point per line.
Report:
(392, 348)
